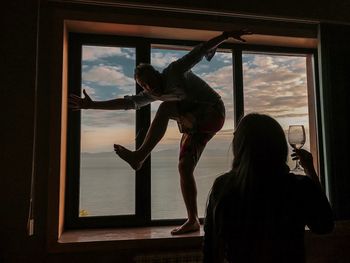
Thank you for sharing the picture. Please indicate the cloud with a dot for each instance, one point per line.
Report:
(225, 57)
(160, 60)
(91, 53)
(264, 62)
(221, 81)
(275, 85)
(108, 76)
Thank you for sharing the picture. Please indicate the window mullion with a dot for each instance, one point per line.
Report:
(73, 137)
(237, 84)
(316, 136)
(143, 118)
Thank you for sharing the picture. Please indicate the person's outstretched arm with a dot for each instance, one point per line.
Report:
(196, 54)
(216, 41)
(76, 103)
(128, 102)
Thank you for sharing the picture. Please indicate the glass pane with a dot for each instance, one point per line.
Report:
(167, 202)
(107, 184)
(276, 85)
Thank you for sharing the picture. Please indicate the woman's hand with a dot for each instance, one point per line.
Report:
(305, 159)
(236, 34)
(77, 103)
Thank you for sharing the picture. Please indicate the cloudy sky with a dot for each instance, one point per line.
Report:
(275, 85)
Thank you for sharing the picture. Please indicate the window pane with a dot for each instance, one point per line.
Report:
(277, 85)
(167, 202)
(107, 184)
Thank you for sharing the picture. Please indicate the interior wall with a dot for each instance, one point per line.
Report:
(335, 82)
(18, 89)
(19, 95)
(336, 11)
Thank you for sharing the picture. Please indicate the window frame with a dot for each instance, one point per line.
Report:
(142, 199)
(314, 110)
(142, 216)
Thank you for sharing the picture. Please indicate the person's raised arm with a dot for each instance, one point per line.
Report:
(76, 103)
(207, 48)
(216, 41)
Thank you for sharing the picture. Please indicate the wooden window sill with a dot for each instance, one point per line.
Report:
(141, 238)
(152, 238)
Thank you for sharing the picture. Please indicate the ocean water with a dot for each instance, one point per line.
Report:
(107, 184)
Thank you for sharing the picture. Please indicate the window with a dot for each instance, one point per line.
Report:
(102, 190)
(166, 196)
(107, 185)
(276, 84)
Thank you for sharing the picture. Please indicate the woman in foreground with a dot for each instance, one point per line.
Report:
(257, 212)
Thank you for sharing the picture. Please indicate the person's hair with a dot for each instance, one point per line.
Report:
(259, 144)
(260, 152)
(259, 157)
(142, 70)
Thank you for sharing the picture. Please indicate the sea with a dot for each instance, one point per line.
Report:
(107, 184)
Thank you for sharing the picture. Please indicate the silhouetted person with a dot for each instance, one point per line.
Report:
(189, 100)
(257, 212)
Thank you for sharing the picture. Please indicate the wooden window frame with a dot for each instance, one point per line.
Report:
(143, 46)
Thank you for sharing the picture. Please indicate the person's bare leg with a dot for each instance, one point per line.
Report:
(155, 133)
(189, 193)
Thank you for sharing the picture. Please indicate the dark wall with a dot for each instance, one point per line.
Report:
(19, 94)
(326, 11)
(335, 75)
(18, 57)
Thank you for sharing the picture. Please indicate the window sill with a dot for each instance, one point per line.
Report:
(149, 238)
(144, 238)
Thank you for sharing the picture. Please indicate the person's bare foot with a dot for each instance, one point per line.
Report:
(187, 227)
(128, 156)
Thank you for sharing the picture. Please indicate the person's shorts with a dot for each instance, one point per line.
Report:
(200, 117)
(198, 123)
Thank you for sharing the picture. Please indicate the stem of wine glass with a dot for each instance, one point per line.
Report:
(297, 165)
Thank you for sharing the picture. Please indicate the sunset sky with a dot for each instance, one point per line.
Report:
(275, 85)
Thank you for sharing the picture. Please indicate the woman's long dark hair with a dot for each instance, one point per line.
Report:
(259, 156)
(259, 149)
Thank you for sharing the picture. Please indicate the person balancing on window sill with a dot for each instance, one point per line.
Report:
(197, 108)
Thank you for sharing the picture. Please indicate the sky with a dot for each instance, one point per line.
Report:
(274, 85)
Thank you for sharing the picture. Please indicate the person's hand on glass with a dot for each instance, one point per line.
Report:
(237, 34)
(296, 139)
(306, 161)
(76, 103)
(305, 158)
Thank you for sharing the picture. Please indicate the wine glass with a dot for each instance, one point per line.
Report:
(296, 139)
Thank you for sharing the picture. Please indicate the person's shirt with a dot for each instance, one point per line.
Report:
(268, 228)
(180, 83)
